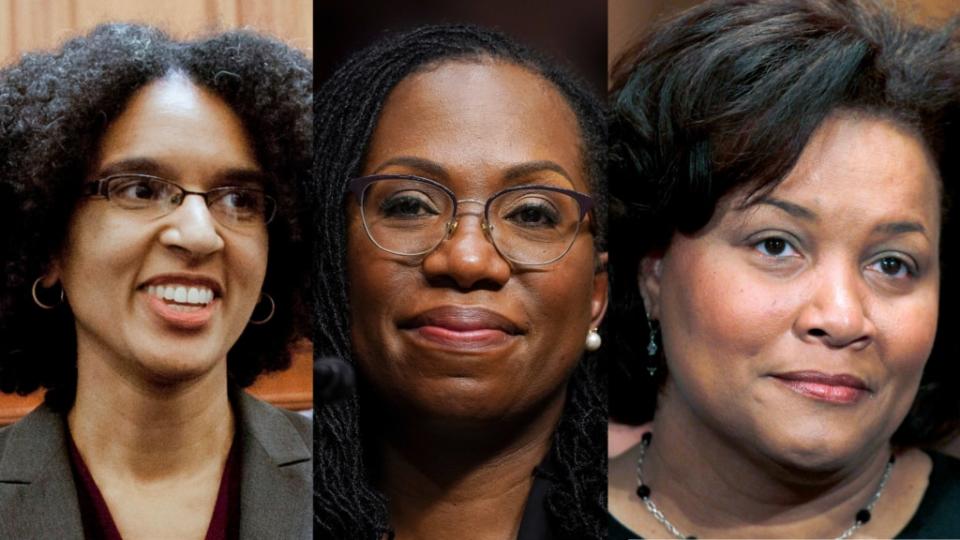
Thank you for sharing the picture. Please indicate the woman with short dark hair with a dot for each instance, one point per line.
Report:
(151, 264)
(790, 165)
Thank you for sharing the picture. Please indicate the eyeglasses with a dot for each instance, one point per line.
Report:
(153, 197)
(528, 225)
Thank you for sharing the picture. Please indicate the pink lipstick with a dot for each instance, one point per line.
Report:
(840, 389)
(463, 328)
(183, 301)
(183, 317)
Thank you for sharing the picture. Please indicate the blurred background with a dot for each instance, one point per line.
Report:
(574, 32)
(27, 25)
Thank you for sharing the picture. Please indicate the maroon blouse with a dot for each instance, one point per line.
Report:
(98, 523)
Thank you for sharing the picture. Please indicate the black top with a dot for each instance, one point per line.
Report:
(937, 517)
(533, 524)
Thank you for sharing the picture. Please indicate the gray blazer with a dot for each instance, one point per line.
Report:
(38, 498)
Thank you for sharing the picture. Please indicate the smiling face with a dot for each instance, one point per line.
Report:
(163, 299)
(460, 332)
(798, 324)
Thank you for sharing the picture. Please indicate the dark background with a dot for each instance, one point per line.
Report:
(573, 32)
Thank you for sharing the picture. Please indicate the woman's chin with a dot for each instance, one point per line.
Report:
(166, 370)
(464, 401)
(813, 457)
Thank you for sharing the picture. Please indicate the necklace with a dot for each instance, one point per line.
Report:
(643, 491)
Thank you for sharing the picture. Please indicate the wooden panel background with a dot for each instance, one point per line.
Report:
(27, 25)
(43, 24)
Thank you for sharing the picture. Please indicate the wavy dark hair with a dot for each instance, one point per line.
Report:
(348, 504)
(726, 96)
(54, 109)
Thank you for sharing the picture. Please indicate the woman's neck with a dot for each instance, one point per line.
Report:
(149, 432)
(708, 485)
(449, 479)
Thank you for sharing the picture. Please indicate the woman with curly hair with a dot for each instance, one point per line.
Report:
(460, 180)
(150, 269)
(792, 165)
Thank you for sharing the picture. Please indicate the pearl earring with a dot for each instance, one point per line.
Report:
(593, 340)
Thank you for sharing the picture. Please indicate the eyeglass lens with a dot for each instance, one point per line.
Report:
(529, 225)
(155, 197)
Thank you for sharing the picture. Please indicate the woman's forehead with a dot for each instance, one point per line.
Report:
(854, 168)
(474, 115)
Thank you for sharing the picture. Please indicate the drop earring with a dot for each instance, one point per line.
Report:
(593, 340)
(652, 347)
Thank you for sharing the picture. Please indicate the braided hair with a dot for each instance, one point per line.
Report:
(347, 503)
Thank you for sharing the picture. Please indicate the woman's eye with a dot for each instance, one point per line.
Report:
(533, 215)
(406, 206)
(893, 267)
(141, 189)
(241, 199)
(775, 247)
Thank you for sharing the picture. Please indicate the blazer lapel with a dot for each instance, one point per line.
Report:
(38, 498)
(276, 470)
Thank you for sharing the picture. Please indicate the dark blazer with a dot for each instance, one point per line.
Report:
(38, 498)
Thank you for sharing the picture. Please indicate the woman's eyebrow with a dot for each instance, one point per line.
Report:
(140, 165)
(793, 209)
(892, 228)
(243, 177)
(429, 168)
(531, 167)
(901, 227)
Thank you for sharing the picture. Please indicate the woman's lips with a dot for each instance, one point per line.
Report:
(182, 300)
(182, 316)
(465, 328)
(841, 389)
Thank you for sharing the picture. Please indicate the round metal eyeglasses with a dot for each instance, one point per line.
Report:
(529, 224)
(154, 197)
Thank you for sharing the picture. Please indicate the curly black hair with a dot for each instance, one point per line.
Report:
(348, 504)
(54, 109)
(727, 95)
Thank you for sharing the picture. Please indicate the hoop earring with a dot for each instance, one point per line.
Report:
(593, 340)
(36, 299)
(273, 308)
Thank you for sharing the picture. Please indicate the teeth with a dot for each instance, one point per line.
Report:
(182, 294)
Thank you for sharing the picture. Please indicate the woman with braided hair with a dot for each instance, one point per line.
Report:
(460, 268)
(150, 270)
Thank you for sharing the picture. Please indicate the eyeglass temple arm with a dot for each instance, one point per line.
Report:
(96, 188)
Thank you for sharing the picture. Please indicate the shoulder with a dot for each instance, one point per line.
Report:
(263, 420)
(39, 425)
(276, 460)
(937, 516)
(37, 493)
(618, 531)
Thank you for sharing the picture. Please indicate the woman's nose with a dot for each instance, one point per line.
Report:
(192, 229)
(835, 311)
(468, 257)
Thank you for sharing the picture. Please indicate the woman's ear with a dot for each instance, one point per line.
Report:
(52, 275)
(648, 280)
(598, 301)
